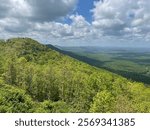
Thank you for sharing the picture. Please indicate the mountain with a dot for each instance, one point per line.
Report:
(40, 78)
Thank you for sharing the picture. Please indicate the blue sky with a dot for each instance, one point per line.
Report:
(77, 22)
(84, 7)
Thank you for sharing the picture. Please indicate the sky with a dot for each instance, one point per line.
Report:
(77, 22)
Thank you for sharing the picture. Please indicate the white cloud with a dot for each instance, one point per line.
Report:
(118, 17)
(38, 10)
(48, 10)
(79, 28)
(14, 8)
(35, 16)
(41, 19)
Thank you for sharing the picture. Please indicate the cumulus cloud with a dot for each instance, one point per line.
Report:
(47, 10)
(35, 16)
(14, 8)
(4, 8)
(39, 10)
(112, 19)
(122, 17)
(17, 15)
(14, 25)
(79, 28)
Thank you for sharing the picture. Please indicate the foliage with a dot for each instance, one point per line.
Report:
(132, 63)
(35, 78)
(14, 100)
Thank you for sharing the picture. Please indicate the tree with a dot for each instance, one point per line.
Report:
(103, 102)
(10, 73)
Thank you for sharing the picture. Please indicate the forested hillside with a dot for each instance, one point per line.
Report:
(132, 63)
(34, 78)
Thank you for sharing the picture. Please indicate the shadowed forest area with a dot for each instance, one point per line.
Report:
(132, 63)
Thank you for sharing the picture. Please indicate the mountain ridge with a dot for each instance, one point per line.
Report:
(40, 79)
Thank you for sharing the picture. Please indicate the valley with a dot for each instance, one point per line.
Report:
(132, 63)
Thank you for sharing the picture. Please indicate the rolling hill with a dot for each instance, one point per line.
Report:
(38, 78)
(132, 63)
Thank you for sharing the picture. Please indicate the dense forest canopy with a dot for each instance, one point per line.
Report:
(35, 78)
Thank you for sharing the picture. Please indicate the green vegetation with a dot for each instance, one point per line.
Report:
(132, 63)
(34, 78)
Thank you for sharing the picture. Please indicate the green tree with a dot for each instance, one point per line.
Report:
(103, 102)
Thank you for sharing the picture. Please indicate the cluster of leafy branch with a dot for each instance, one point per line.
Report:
(34, 78)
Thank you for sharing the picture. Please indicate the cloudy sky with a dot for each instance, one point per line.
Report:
(77, 22)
